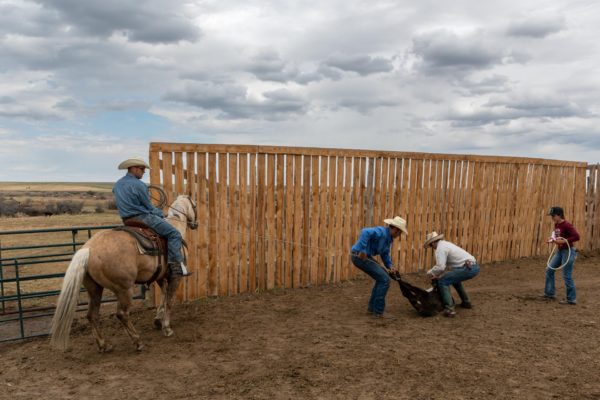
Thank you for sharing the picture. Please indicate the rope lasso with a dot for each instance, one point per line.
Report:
(552, 255)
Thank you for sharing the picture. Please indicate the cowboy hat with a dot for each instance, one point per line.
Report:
(134, 162)
(398, 223)
(432, 237)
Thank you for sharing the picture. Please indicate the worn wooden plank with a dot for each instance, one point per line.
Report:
(314, 219)
(244, 223)
(192, 236)
(297, 243)
(213, 272)
(271, 242)
(346, 219)
(280, 222)
(330, 242)
(338, 233)
(203, 224)
(306, 221)
(165, 147)
(261, 206)
(252, 282)
(289, 219)
(222, 226)
(233, 226)
(322, 253)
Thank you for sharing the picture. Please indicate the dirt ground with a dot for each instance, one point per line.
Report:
(318, 343)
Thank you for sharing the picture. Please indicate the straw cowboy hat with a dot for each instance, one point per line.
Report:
(398, 223)
(134, 162)
(432, 237)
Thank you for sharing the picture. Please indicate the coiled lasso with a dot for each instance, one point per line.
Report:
(554, 251)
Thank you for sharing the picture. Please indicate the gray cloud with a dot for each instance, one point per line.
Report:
(501, 110)
(445, 51)
(268, 66)
(149, 21)
(232, 101)
(361, 64)
(539, 27)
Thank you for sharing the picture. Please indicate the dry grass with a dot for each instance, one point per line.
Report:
(56, 186)
(31, 223)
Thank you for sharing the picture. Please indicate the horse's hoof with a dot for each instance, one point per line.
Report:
(167, 332)
(157, 323)
(107, 348)
(139, 347)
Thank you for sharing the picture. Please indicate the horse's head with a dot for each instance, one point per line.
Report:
(185, 207)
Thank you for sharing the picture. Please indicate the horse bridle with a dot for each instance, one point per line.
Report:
(193, 225)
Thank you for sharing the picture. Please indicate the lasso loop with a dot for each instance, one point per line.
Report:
(552, 255)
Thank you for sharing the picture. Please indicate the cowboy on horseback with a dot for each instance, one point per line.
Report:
(133, 202)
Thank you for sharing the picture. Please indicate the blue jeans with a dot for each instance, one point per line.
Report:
(382, 282)
(455, 278)
(567, 272)
(163, 228)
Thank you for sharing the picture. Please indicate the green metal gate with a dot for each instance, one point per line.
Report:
(32, 264)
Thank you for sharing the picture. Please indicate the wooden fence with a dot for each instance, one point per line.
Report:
(592, 208)
(278, 217)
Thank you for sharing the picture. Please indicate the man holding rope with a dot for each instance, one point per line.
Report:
(372, 242)
(564, 236)
(453, 266)
(133, 202)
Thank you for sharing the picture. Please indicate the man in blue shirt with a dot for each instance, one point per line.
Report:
(372, 242)
(133, 201)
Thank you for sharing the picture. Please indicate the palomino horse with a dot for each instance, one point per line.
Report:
(111, 260)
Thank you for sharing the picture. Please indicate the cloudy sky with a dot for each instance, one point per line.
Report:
(85, 84)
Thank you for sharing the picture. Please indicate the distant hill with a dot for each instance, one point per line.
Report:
(57, 186)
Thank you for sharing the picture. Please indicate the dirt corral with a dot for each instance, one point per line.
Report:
(318, 343)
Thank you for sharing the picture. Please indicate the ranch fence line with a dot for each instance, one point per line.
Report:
(592, 208)
(286, 217)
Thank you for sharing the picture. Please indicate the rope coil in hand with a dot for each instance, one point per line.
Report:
(552, 255)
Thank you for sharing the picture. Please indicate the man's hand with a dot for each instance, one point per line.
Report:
(362, 256)
(560, 240)
(393, 271)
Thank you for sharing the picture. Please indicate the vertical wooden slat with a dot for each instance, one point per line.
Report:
(179, 189)
(213, 272)
(297, 221)
(253, 225)
(330, 243)
(314, 221)
(192, 237)
(356, 222)
(280, 224)
(261, 232)
(202, 203)
(306, 220)
(233, 226)
(223, 227)
(323, 253)
(338, 233)
(271, 241)
(289, 218)
(244, 223)
(346, 219)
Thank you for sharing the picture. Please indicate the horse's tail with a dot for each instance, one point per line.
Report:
(67, 301)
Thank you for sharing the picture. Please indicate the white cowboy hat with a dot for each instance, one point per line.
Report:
(432, 237)
(398, 222)
(134, 162)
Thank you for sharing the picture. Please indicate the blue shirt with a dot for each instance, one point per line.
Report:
(132, 198)
(375, 241)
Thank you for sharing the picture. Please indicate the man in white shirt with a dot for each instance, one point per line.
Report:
(453, 266)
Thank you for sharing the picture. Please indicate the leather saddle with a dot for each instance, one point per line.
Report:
(150, 243)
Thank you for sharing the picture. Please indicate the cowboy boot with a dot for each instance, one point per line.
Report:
(178, 269)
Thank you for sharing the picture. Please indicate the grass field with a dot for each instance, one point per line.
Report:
(56, 186)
